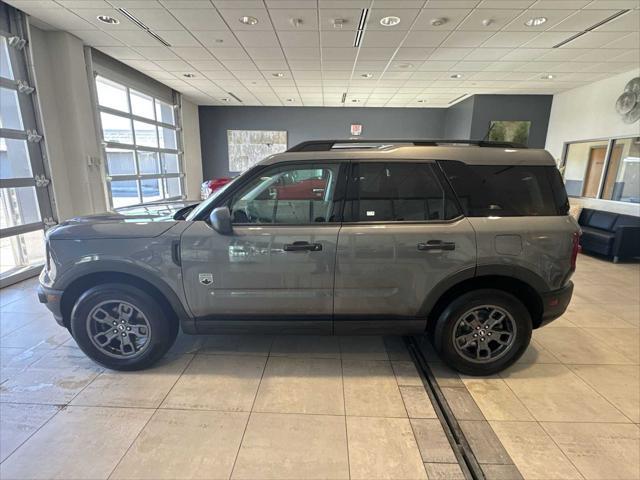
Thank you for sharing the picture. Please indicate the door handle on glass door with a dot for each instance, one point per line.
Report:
(436, 245)
(302, 246)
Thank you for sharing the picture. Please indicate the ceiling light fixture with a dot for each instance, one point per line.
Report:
(219, 40)
(277, 75)
(108, 19)
(536, 21)
(421, 101)
(225, 99)
(291, 99)
(547, 77)
(141, 24)
(405, 66)
(247, 20)
(338, 23)
(436, 22)
(487, 21)
(355, 100)
(296, 22)
(188, 75)
(361, 26)
(456, 75)
(592, 27)
(366, 75)
(389, 21)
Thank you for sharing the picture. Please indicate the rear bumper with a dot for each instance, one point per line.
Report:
(51, 299)
(555, 303)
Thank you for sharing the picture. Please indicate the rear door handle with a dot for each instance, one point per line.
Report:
(436, 245)
(302, 246)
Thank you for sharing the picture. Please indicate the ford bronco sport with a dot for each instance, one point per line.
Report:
(469, 242)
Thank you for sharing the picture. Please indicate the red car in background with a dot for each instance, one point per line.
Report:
(210, 186)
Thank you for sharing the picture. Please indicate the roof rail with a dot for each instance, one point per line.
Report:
(326, 145)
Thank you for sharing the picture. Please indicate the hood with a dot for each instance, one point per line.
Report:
(142, 221)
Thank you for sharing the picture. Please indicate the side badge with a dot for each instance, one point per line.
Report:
(205, 278)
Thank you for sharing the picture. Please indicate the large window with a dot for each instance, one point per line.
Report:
(608, 169)
(25, 201)
(141, 145)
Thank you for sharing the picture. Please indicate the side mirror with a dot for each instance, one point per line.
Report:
(220, 219)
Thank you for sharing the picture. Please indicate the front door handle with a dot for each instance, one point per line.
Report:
(302, 246)
(436, 245)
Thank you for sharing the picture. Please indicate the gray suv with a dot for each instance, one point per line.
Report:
(469, 242)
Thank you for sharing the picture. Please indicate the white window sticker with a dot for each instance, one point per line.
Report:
(371, 213)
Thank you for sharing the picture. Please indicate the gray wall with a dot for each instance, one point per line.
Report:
(535, 108)
(311, 123)
(468, 119)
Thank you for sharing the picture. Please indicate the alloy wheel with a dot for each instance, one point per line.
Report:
(484, 333)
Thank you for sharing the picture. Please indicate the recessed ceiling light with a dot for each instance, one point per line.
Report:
(219, 40)
(436, 22)
(405, 65)
(366, 75)
(277, 75)
(291, 99)
(248, 20)
(389, 21)
(456, 75)
(225, 99)
(355, 100)
(487, 21)
(421, 101)
(108, 19)
(547, 77)
(188, 75)
(535, 22)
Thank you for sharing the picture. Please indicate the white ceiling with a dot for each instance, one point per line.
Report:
(411, 63)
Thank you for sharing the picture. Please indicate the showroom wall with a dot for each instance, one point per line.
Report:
(458, 119)
(309, 123)
(573, 118)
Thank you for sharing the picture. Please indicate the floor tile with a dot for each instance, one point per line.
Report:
(10, 322)
(26, 304)
(36, 334)
(187, 344)
(184, 444)
(495, 399)
(576, 346)
(256, 345)
(501, 472)
(406, 373)
(14, 360)
(623, 341)
(396, 348)
(18, 422)
(593, 316)
(313, 346)
(599, 451)
(142, 389)
(462, 404)
(630, 313)
(445, 376)
(417, 402)
(444, 471)
(363, 348)
(536, 353)
(370, 389)
(534, 452)
(218, 382)
(291, 446)
(80, 443)
(483, 441)
(620, 384)
(383, 448)
(432, 441)
(554, 393)
(301, 385)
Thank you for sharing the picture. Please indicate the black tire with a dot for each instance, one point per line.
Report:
(446, 325)
(161, 330)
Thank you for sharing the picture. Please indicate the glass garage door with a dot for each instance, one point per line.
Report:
(25, 201)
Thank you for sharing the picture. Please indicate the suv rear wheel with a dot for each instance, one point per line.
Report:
(483, 332)
(122, 328)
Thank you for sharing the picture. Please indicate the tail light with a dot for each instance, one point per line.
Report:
(575, 249)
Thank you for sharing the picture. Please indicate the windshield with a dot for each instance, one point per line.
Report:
(205, 204)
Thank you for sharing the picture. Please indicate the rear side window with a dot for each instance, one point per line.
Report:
(396, 192)
(507, 191)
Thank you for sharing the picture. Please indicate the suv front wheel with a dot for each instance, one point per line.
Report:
(122, 328)
(483, 332)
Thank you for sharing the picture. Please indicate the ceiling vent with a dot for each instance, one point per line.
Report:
(591, 28)
(139, 23)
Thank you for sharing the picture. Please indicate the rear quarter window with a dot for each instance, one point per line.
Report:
(507, 190)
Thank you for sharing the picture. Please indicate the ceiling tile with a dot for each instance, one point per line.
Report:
(137, 38)
(453, 18)
(199, 18)
(450, 53)
(605, 4)
(425, 38)
(495, 19)
(294, 53)
(121, 53)
(157, 53)
(374, 53)
(305, 19)
(192, 53)
(217, 39)
(156, 19)
(178, 38)
(524, 54)
(342, 39)
(206, 65)
(488, 54)
(560, 4)
(594, 39)
(383, 39)
(582, 20)
(173, 65)
(410, 53)
(628, 22)
(299, 39)
(350, 17)
(510, 39)
(466, 39)
(258, 38)
(96, 38)
(64, 19)
(229, 53)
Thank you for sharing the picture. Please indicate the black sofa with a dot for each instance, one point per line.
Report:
(610, 234)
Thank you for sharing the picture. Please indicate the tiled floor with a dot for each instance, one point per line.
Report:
(325, 407)
(216, 407)
(570, 408)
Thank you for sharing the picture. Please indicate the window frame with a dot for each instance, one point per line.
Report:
(138, 177)
(338, 196)
(447, 192)
(605, 168)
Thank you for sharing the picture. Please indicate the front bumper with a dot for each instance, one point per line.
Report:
(555, 303)
(51, 299)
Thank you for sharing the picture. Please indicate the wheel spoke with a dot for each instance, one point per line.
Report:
(100, 315)
(483, 348)
(125, 312)
(499, 337)
(139, 330)
(126, 342)
(492, 320)
(467, 340)
(108, 335)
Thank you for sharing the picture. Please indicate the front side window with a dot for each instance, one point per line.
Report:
(293, 195)
(507, 190)
(143, 160)
(396, 192)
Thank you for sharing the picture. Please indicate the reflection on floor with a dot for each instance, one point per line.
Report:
(324, 407)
